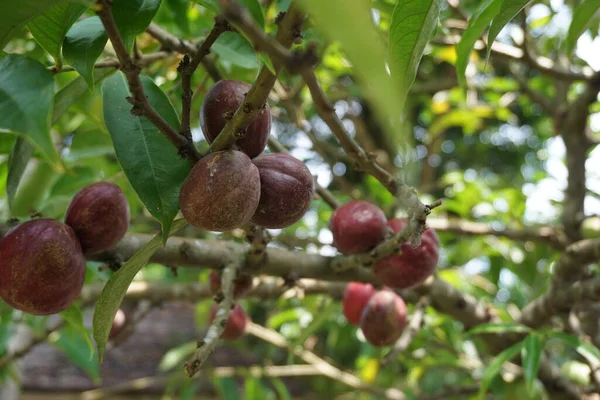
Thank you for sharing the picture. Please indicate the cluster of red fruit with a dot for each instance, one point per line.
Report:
(226, 189)
(42, 263)
(358, 227)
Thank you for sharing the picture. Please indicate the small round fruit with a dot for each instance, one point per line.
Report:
(383, 319)
(118, 324)
(411, 266)
(220, 103)
(42, 267)
(236, 322)
(357, 227)
(243, 284)
(99, 215)
(221, 192)
(356, 296)
(286, 190)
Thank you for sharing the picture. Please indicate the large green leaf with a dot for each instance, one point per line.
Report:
(17, 162)
(74, 318)
(50, 28)
(531, 353)
(412, 26)
(351, 24)
(26, 90)
(70, 341)
(150, 162)
(508, 10)
(114, 291)
(83, 45)
(15, 16)
(582, 16)
(477, 24)
(494, 367)
(133, 17)
(235, 48)
(74, 90)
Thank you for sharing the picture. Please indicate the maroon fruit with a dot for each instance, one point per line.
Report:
(42, 267)
(236, 322)
(413, 265)
(118, 324)
(243, 284)
(221, 192)
(356, 296)
(383, 318)
(99, 215)
(357, 227)
(286, 190)
(220, 103)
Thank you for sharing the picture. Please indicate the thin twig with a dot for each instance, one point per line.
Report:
(143, 61)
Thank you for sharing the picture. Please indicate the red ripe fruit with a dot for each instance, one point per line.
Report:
(220, 103)
(357, 227)
(356, 296)
(236, 322)
(99, 215)
(221, 192)
(383, 319)
(42, 267)
(286, 190)
(243, 284)
(413, 265)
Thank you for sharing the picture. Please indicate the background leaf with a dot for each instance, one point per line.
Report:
(151, 163)
(71, 342)
(531, 353)
(494, 367)
(133, 17)
(26, 90)
(412, 26)
(235, 48)
(508, 10)
(114, 291)
(50, 28)
(17, 162)
(582, 17)
(498, 328)
(587, 350)
(74, 318)
(83, 44)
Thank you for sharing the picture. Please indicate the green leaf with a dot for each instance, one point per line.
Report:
(74, 90)
(582, 16)
(320, 319)
(114, 291)
(69, 340)
(477, 24)
(83, 44)
(351, 24)
(494, 367)
(211, 5)
(281, 389)
(50, 28)
(226, 387)
(26, 90)
(179, 10)
(255, 10)
(177, 356)
(74, 318)
(531, 353)
(587, 350)
(236, 49)
(17, 162)
(508, 10)
(19, 15)
(498, 328)
(133, 17)
(149, 160)
(412, 26)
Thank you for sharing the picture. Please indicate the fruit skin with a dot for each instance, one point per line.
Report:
(286, 190)
(221, 192)
(236, 322)
(243, 284)
(412, 266)
(357, 227)
(42, 267)
(384, 318)
(224, 98)
(356, 296)
(118, 324)
(99, 215)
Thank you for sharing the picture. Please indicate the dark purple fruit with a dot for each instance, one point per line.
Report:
(242, 284)
(286, 190)
(236, 322)
(220, 103)
(221, 192)
(99, 215)
(357, 227)
(42, 267)
(384, 318)
(411, 266)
